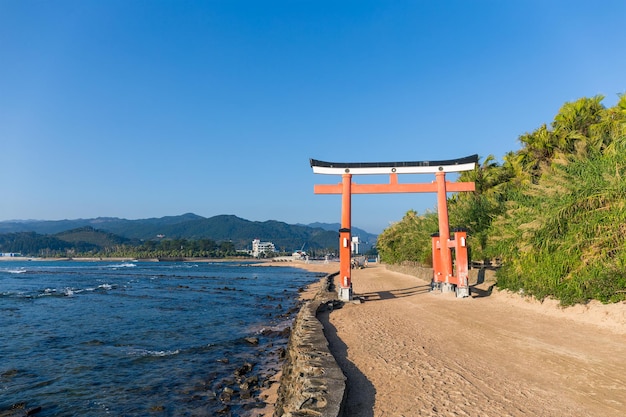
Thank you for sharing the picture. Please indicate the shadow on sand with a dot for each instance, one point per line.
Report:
(399, 293)
(360, 392)
(479, 289)
(476, 290)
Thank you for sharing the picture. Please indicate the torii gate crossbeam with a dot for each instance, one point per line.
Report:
(346, 188)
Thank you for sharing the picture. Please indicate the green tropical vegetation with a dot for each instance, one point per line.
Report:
(553, 212)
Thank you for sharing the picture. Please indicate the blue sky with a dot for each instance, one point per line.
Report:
(140, 109)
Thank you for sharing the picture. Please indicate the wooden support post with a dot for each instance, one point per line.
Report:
(462, 265)
(437, 274)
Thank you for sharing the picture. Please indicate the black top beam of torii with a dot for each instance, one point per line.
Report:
(414, 167)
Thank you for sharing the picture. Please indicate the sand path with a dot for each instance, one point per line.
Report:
(409, 352)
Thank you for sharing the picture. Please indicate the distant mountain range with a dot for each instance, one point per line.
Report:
(192, 227)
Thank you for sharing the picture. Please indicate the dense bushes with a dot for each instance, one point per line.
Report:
(554, 211)
(566, 237)
(409, 240)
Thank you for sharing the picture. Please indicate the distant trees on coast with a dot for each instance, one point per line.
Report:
(187, 233)
(554, 211)
(89, 242)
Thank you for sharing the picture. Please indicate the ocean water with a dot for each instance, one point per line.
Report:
(142, 338)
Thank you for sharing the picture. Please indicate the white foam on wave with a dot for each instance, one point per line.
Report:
(15, 271)
(49, 291)
(153, 353)
(182, 265)
(68, 292)
(123, 265)
(100, 287)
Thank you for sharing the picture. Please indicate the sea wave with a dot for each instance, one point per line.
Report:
(152, 353)
(100, 288)
(122, 265)
(64, 292)
(13, 270)
(121, 348)
(105, 287)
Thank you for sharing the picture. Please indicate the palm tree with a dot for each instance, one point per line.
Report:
(612, 129)
(485, 176)
(515, 170)
(539, 148)
(578, 116)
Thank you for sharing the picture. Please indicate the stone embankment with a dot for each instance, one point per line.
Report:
(312, 384)
(412, 268)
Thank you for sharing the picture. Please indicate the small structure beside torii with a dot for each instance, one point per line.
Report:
(445, 277)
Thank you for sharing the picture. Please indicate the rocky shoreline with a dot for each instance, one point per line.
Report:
(312, 382)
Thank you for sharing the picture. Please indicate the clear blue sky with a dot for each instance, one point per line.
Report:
(140, 109)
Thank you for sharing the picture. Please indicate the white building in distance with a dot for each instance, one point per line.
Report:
(259, 248)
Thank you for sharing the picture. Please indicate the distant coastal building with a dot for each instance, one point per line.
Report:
(10, 254)
(299, 254)
(259, 248)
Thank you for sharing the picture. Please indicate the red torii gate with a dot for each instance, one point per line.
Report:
(443, 278)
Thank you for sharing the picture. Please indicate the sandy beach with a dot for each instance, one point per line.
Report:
(408, 352)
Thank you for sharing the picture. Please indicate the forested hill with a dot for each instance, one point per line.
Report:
(189, 226)
(140, 229)
(85, 241)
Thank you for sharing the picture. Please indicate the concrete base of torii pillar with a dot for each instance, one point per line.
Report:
(344, 294)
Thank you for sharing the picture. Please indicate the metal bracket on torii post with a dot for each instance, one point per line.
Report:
(443, 278)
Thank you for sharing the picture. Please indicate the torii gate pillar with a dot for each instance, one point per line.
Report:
(444, 227)
(345, 239)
